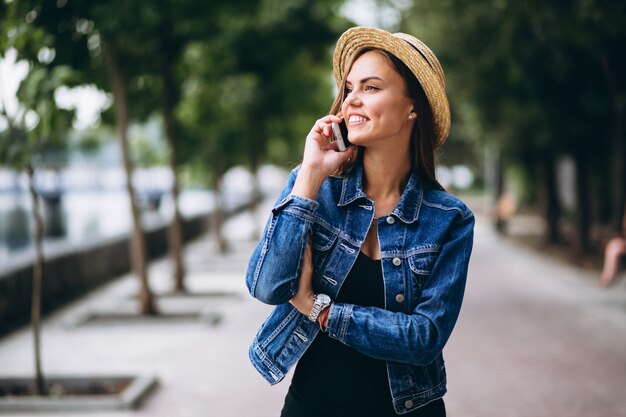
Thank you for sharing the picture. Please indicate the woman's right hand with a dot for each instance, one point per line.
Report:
(320, 158)
(304, 297)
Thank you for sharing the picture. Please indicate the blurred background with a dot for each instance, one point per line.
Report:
(121, 117)
(182, 91)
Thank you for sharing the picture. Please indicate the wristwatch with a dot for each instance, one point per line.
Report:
(320, 302)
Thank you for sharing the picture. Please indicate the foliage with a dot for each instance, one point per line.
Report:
(531, 69)
(262, 81)
(38, 126)
(293, 74)
(249, 72)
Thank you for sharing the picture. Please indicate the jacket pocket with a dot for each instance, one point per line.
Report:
(409, 380)
(422, 260)
(421, 263)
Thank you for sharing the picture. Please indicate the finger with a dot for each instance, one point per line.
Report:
(350, 151)
(321, 124)
(322, 128)
(349, 154)
(327, 131)
(331, 118)
(322, 142)
(318, 127)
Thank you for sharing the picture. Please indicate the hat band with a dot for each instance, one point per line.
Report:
(421, 53)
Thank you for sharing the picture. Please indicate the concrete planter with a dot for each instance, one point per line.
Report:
(69, 393)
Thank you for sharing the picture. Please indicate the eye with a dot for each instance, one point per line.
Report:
(370, 88)
(346, 91)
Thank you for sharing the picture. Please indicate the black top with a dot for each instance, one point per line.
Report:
(332, 379)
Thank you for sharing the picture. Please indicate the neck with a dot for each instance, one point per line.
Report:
(385, 173)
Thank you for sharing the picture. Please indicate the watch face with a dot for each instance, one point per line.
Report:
(324, 299)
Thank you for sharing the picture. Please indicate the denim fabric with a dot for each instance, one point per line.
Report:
(425, 245)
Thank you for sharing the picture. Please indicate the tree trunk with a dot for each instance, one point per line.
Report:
(552, 204)
(582, 198)
(39, 386)
(257, 199)
(138, 251)
(618, 140)
(256, 149)
(175, 234)
(498, 192)
(217, 217)
(619, 158)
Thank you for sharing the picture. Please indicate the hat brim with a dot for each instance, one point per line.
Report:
(414, 54)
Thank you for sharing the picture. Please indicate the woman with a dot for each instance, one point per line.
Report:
(365, 255)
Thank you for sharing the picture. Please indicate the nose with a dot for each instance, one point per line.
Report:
(352, 98)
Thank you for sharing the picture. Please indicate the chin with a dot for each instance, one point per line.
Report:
(362, 140)
(358, 139)
(358, 142)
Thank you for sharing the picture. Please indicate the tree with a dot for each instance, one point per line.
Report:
(243, 99)
(103, 44)
(174, 25)
(213, 113)
(24, 142)
(543, 79)
(135, 50)
(290, 72)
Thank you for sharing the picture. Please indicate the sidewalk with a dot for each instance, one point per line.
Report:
(536, 338)
(203, 369)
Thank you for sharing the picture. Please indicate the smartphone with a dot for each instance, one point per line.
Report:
(340, 135)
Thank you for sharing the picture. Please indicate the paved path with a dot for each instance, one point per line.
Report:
(536, 338)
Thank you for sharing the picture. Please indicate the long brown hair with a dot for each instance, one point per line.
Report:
(423, 138)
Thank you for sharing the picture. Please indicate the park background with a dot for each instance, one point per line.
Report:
(120, 116)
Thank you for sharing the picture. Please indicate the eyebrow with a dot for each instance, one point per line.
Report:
(366, 79)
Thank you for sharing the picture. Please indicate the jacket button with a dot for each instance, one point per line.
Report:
(408, 404)
(390, 220)
(396, 261)
(399, 298)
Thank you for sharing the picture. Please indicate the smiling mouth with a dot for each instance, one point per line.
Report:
(354, 119)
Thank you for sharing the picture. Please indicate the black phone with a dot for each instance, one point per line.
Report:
(340, 135)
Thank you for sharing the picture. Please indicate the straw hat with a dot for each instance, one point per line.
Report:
(414, 54)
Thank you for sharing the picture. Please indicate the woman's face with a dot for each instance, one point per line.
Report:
(376, 107)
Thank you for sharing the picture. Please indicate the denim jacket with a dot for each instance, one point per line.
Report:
(425, 246)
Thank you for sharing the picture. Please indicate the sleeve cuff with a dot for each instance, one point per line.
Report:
(338, 321)
(298, 202)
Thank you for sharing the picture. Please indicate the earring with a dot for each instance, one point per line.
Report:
(410, 115)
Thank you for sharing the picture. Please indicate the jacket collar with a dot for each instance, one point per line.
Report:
(408, 207)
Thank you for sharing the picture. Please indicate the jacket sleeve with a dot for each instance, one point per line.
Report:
(275, 265)
(419, 337)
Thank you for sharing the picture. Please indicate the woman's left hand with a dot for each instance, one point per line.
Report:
(303, 300)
